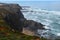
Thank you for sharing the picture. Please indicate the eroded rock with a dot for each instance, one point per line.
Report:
(31, 27)
(30, 24)
(13, 16)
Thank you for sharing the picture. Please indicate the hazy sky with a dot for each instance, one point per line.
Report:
(44, 4)
(29, 0)
(49, 5)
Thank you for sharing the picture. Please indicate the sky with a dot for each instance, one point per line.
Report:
(42, 4)
(30, 0)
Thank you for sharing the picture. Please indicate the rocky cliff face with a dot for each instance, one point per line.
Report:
(13, 16)
(32, 25)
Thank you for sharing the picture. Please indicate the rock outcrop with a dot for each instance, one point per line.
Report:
(13, 16)
(31, 27)
(30, 24)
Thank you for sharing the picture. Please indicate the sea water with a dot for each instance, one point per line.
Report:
(51, 20)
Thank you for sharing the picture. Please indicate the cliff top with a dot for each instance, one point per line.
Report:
(9, 5)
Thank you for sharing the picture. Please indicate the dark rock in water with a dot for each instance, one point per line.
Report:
(32, 25)
(12, 15)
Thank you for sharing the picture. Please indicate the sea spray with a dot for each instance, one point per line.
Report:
(50, 19)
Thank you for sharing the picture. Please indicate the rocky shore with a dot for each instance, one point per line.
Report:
(13, 16)
(12, 19)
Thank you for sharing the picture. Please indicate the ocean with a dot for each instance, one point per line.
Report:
(50, 17)
(51, 20)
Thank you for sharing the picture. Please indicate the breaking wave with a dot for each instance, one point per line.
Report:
(51, 19)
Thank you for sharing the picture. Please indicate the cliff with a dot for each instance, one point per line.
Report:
(12, 15)
(12, 22)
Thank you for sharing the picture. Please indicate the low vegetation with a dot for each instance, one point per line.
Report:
(7, 34)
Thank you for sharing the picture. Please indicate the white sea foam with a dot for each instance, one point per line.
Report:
(47, 20)
(45, 17)
(46, 27)
(58, 34)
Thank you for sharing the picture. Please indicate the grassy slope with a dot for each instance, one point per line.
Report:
(6, 34)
